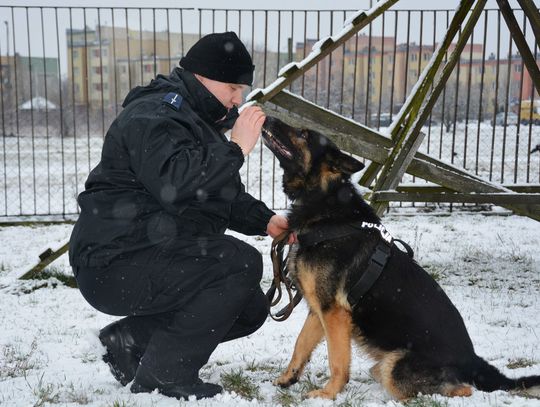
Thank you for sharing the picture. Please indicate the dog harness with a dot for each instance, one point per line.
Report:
(377, 261)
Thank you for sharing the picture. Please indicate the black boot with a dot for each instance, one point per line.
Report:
(123, 354)
(146, 382)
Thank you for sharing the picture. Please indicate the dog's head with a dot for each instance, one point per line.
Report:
(311, 162)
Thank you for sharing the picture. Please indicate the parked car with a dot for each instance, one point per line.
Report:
(511, 119)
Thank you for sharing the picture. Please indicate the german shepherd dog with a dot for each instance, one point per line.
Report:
(405, 321)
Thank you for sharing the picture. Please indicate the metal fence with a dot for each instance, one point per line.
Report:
(65, 70)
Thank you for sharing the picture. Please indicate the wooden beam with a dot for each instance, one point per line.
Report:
(493, 198)
(408, 144)
(521, 42)
(531, 11)
(422, 188)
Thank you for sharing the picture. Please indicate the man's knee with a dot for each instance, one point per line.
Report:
(247, 261)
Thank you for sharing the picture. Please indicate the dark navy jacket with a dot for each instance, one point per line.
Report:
(166, 171)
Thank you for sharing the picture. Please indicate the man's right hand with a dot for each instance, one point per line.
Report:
(247, 129)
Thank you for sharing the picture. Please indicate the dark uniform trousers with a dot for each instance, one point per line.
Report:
(182, 299)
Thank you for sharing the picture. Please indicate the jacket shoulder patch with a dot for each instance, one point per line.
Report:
(173, 99)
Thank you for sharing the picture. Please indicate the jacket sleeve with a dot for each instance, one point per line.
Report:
(249, 215)
(176, 168)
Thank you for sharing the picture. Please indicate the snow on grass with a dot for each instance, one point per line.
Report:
(488, 265)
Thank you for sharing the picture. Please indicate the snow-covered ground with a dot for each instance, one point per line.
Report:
(488, 265)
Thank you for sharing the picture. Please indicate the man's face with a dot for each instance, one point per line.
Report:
(229, 94)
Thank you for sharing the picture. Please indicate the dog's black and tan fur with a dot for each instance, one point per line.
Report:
(405, 322)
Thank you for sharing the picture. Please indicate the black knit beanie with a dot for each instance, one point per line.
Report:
(221, 57)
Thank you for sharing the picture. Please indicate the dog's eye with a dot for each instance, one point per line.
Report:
(304, 134)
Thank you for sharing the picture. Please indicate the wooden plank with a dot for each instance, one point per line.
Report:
(46, 258)
(495, 198)
(420, 188)
(373, 145)
(531, 11)
(408, 144)
(521, 42)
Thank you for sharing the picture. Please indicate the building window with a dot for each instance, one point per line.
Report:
(414, 57)
(517, 68)
(75, 53)
(123, 69)
(148, 68)
(95, 53)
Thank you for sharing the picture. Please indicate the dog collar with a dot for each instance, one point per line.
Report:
(330, 232)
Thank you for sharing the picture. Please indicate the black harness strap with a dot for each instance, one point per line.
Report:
(376, 265)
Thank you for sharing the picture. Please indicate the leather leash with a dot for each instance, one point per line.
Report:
(279, 263)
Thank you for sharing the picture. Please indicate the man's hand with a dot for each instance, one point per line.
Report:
(247, 129)
(277, 225)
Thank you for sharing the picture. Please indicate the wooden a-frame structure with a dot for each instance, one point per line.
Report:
(392, 156)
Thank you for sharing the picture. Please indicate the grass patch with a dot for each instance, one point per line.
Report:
(353, 398)
(425, 401)
(241, 384)
(58, 273)
(519, 363)
(285, 398)
(45, 393)
(254, 366)
(16, 363)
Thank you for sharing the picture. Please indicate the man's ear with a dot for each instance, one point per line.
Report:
(348, 164)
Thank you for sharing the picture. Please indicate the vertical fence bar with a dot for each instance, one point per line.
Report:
(355, 74)
(468, 101)
(521, 65)
(367, 119)
(342, 73)
(506, 98)
(456, 105)
(141, 53)
(101, 83)
(317, 66)
(47, 138)
(329, 74)
(61, 113)
(130, 82)
(73, 105)
(115, 72)
(382, 72)
(4, 132)
(17, 111)
(154, 40)
(32, 130)
(304, 52)
(392, 86)
(88, 85)
(483, 74)
(496, 97)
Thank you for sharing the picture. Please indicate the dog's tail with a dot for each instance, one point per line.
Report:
(486, 377)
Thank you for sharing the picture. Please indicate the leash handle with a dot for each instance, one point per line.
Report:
(279, 263)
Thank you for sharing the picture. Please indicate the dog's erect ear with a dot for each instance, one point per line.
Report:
(346, 163)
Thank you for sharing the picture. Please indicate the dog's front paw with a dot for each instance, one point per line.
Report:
(321, 393)
(286, 380)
